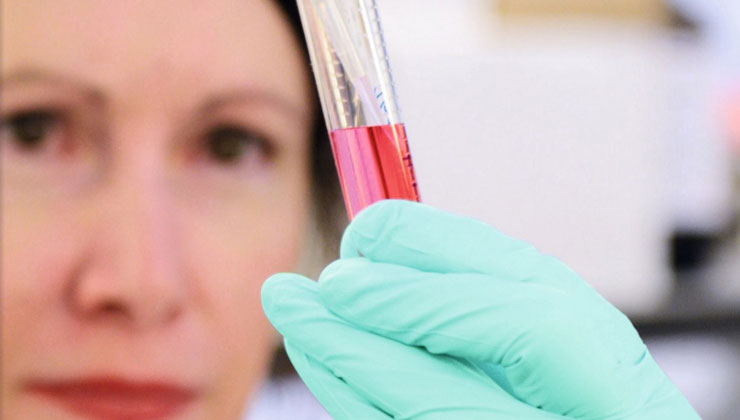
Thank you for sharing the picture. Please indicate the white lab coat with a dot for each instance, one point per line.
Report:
(285, 399)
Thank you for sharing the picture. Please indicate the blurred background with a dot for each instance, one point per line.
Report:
(605, 132)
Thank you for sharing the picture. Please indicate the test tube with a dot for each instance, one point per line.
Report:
(357, 95)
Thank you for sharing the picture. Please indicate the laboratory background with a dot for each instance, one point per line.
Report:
(606, 133)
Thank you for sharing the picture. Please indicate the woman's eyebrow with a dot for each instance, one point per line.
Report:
(91, 92)
(267, 98)
(95, 94)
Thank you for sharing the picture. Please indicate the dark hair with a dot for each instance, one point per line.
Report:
(328, 209)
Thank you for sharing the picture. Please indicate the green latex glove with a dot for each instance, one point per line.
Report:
(428, 315)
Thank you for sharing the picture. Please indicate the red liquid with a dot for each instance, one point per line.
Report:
(374, 163)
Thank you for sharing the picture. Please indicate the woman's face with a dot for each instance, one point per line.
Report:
(155, 170)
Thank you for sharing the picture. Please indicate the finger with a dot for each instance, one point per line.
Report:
(406, 382)
(422, 237)
(553, 354)
(335, 395)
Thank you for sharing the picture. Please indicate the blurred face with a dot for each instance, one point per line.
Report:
(154, 173)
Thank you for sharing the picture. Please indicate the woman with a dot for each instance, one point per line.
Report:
(158, 166)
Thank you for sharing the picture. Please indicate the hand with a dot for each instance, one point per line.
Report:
(428, 315)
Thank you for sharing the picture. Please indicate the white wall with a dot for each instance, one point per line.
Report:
(555, 133)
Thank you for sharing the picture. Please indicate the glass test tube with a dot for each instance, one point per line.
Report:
(357, 95)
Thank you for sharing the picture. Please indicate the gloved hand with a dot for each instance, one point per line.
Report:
(428, 315)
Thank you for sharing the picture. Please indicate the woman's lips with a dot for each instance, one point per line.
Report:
(112, 398)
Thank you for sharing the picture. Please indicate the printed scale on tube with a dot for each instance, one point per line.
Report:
(351, 69)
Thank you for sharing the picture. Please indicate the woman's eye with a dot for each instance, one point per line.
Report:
(230, 145)
(29, 131)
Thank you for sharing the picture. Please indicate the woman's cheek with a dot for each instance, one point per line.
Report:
(230, 256)
(31, 242)
(17, 247)
(41, 246)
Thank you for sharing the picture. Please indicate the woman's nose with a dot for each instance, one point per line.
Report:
(134, 271)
